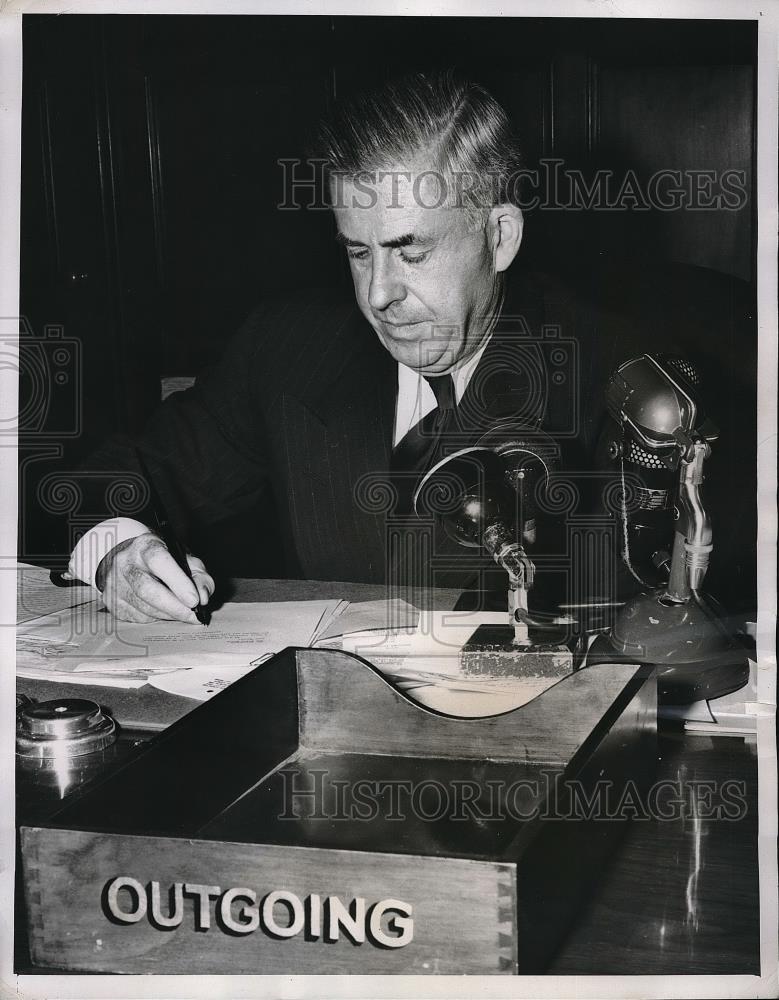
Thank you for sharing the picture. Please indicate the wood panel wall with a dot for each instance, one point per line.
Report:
(150, 224)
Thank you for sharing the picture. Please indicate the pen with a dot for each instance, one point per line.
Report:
(168, 535)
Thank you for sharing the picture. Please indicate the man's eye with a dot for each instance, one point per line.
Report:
(416, 258)
(357, 254)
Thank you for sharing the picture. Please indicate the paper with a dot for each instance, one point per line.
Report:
(386, 615)
(90, 646)
(201, 682)
(43, 671)
(425, 664)
(329, 623)
(437, 639)
(36, 595)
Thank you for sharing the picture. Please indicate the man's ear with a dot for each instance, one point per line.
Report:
(505, 233)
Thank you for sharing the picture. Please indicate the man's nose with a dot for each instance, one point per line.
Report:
(386, 285)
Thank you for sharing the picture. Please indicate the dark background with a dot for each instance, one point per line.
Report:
(150, 187)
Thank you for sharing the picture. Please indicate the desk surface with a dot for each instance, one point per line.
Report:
(681, 895)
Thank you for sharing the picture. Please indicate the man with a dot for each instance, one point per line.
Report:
(321, 403)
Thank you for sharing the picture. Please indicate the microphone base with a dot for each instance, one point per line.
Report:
(693, 654)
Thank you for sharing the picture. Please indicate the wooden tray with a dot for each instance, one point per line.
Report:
(313, 819)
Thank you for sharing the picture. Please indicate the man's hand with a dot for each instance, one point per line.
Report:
(142, 583)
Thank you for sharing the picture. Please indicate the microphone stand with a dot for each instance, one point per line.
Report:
(673, 626)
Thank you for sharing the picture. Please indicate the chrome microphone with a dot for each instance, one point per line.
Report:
(660, 436)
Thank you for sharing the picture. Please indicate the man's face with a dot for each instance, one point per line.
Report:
(422, 278)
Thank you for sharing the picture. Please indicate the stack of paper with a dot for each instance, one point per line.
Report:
(425, 662)
(36, 595)
(385, 616)
(87, 645)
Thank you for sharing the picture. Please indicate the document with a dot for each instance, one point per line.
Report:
(385, 616)
(36, 595)
(90, 646)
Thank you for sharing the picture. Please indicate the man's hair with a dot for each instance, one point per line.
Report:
(451, 125)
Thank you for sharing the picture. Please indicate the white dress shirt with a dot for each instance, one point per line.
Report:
(414, 401)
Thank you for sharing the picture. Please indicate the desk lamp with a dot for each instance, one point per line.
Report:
(486, 496)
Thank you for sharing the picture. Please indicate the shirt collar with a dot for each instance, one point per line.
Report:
(462, 374)
(411, 382)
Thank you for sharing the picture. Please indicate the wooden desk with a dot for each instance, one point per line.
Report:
(681, 895)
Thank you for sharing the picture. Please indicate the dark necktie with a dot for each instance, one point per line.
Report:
(426, 442)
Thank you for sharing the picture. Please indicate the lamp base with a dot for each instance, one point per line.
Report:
(491, 652)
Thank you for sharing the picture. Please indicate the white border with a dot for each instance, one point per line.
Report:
(734, 10)
(10, 190)
(77, 987)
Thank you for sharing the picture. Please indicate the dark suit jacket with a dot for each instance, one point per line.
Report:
(302, 402)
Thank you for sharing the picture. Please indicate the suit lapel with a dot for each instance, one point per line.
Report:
(338, 440)
(339, 444)
(510, 380)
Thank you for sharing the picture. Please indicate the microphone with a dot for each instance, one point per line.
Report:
(659, 437)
